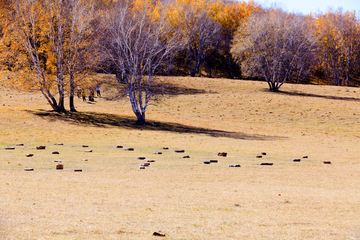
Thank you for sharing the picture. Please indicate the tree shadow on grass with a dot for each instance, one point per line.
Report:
(319, 96)
(106, 120)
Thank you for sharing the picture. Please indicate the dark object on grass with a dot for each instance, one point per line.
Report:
(234, 165)
(130, 149)
(158, 153)
(142, 167)
(258, 156)
(263, 153)
(207, 162)
(266, 164)
(145, 164)
(29, 155)
(10, 148)
(88, 150)
(326, 162)
(158, 234)
(180, 151)
(222, 154)
(28, 169)
(296, 160)
(141, 158)
(57, 161)
(150, 160)
(59, 167)
(119, 146)
(165, 148)
(187, 156)
(305, 156)
(78, 170)
(213, 161)
(85, 146)
(20, 144)
(40, 147)
(55, 153)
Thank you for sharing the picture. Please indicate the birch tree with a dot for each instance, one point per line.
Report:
(137, 41)
(51, 40)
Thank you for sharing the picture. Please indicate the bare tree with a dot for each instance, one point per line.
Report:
(137, 43)
(274, 45)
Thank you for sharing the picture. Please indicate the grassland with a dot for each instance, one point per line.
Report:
(182, 197)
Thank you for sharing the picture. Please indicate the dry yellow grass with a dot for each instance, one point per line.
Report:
(182, 197)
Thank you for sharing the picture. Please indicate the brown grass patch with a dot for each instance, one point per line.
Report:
(182, 197)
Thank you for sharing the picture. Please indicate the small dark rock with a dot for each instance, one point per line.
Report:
(119, 146)
(40, 147)
(234, 165)
(263, 153)
(305, 156)
(29, 155)
(296, 160)
(20, 144)
(10, 148)
(207, 162)
(55, 153)
(158, 153)
(326, 162)
(150, 160)
(28, 169)
(78, 170)
(213, 161)
(59, 167)
(259, 156)
(60, 144)
(145, 164)
(180, 151)
(85, 146)
(267, 164)
(222, 154)
(158, 234)
(58, 161)
(141, 167)
(165, 148)
(141, 158)
(129, 149)
(187, 156)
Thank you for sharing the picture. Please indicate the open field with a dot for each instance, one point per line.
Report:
(182, 197)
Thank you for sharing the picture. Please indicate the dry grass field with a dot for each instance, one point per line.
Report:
(184, 198)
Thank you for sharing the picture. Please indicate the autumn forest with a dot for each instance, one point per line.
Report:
(54, 46)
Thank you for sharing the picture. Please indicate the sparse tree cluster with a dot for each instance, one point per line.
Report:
(54, 44)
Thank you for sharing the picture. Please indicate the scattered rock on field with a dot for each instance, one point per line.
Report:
(150, 160)
(263, 153)
(258, 156)
(326, 162)
(222, 154)
(234, 165)
(207, 162)
(180, 151)
(28, 169)
(40, 147)
(78, 170)
(59, 167)
(142, 167)
(141, 158)
(88, 150)
(305, 156)
(10, 148)
(129, 149)
(187, 156)
(55, 152)
(158, 153)
(296, 160)
(165, 148)
(213, 161)
(267, 164)
(29, 155)
(58, 161)
(145, 164)
(158, 234)
(119, 146)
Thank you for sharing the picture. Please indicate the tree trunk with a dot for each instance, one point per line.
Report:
(72, 94)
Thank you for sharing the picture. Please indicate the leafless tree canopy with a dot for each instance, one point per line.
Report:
(137, 44)
(275, 45)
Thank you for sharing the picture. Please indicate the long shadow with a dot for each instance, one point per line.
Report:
(111, 120)
(319, 96)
